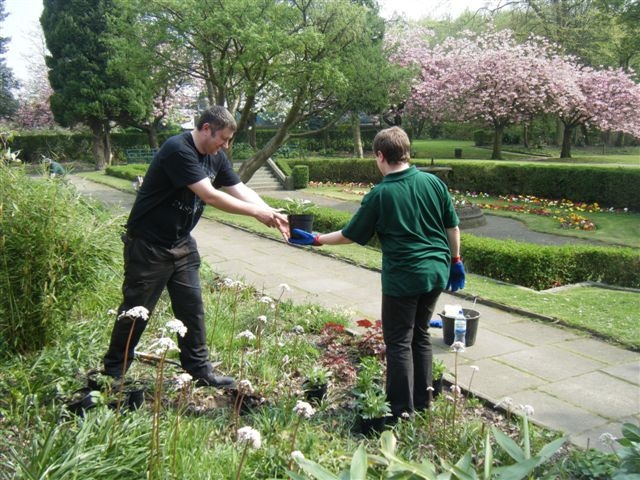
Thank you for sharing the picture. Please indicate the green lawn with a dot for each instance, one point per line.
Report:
(444, 149)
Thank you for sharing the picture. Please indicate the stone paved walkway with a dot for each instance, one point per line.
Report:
(576, 384)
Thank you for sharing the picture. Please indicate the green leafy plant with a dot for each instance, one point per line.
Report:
(373, 404)
(438, 369)
(298, 206)
(629, 453)
(318, 376)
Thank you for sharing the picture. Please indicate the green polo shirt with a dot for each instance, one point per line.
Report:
(410, 212)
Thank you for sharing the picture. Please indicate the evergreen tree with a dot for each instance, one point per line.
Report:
(87, 89)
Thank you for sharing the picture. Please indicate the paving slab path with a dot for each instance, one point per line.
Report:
(576, 384)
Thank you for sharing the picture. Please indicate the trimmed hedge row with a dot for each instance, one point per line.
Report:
(609, 186)
(541, 267)
(534, 266)
(67, 147)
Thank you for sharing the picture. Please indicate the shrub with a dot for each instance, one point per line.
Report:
(300, 175)
(128, 172)
(541, 267)
(53, 245)
(481, 138)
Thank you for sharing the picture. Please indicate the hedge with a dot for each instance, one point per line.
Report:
(68, 147)
(529, 265)
(609, 186)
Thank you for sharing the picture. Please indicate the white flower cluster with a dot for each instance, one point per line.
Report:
(304, 409)
(135, 312)
(183, 380)
(250, 435)
(176, 326)
(245, 387)
(164, 344)
(247, 335)
(262, 319)
(231, 283)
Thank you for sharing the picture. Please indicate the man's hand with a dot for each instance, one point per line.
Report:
(300, 237)
(274, 219)
(456, 276)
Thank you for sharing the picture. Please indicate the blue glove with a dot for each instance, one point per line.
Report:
(456, 276)
(301, 237)
(435, 323)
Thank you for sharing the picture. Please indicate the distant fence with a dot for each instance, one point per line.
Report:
(139, 155)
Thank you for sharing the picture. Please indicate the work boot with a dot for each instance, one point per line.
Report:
(212, 380)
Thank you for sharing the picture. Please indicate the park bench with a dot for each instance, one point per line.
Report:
(140, 155)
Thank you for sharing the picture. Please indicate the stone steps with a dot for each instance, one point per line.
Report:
(263, 179)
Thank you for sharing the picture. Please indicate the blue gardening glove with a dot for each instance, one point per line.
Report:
(435, 323)
(456, 276)
(301, 237)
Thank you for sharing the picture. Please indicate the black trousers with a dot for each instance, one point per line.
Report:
(405, 328)
(149, 269)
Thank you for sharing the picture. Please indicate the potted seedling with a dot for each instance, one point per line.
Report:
(300, 214)
(373, 410)
(371, 401)
(316, 383)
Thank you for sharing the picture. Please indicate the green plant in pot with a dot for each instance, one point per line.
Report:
(300, 213)
(373, 410)
(316, 383)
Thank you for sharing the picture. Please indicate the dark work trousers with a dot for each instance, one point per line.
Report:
(148, 269)
(405, 328)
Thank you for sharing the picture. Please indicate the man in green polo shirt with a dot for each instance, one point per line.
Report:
(414, 218)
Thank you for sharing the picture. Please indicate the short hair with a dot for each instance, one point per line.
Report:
(218, 118)
(394, 144)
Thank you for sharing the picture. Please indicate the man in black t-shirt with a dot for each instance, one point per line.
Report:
(187, 172)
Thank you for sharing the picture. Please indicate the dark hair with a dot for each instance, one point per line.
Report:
(394, 144)
(218, 118)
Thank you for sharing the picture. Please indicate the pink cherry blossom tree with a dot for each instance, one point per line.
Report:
(489, 78)
(605, 99)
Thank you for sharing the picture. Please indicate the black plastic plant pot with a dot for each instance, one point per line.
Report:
(303, 222)
(372, 426)
(314, 393)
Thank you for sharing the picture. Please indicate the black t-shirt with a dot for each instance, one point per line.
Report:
(165, 209)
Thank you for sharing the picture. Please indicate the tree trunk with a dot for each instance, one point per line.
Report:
(152, 136)
(357, 138)
(620, 138)
(585, 135)
(251, 130)
(559, 132)
(525, 135)
(496, 154)
(566, 141)
(101, 144)
(250, 166)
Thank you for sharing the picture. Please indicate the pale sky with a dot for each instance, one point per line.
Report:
(23, 23)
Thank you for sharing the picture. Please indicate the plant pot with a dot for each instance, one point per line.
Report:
(303, 222)
(471, 316)
(314, 393)
(437, 387)
(372, 426)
